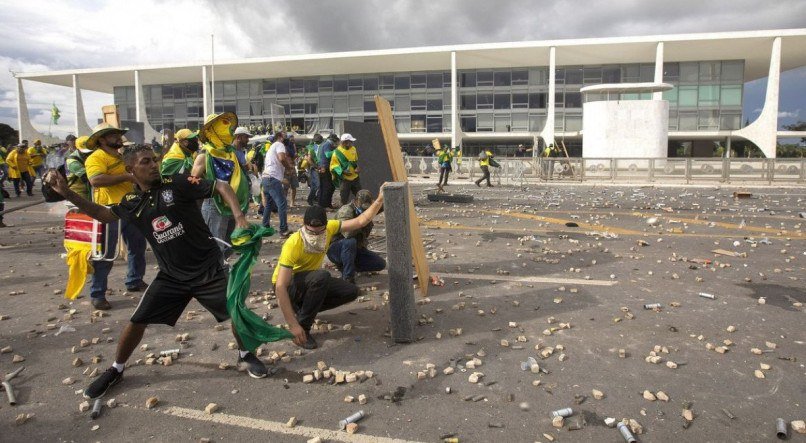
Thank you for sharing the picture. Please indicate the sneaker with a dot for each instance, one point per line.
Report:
(285, 234)
(254, 367)
(101, 384)
(101, 304)
(311, 342)
(138, 287)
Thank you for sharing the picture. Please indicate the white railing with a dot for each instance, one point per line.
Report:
(521, 170)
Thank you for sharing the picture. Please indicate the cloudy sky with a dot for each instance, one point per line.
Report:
(41, 35)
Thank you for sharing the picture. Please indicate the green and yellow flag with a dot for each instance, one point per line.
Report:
(222, 164)
(252, 330)
(54, 114)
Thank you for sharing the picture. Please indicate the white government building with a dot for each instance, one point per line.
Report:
(603, 97)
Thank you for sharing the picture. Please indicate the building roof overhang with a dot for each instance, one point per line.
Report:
(751, 46)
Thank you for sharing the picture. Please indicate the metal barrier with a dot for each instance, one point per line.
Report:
(521, 170)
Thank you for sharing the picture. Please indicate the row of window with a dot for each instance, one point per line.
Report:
(725, 72)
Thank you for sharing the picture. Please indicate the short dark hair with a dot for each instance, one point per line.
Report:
(130, 153)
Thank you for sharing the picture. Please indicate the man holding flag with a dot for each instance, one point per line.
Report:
(166, 212)
(218, 161)
(344, 167)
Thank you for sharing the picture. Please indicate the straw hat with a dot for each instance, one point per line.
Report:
(100, 131)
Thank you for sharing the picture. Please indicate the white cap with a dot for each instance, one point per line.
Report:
(241, 130)
(347, 137)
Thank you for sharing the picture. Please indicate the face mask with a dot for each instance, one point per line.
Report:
(313, 243)
(193, 144)
(220, 134)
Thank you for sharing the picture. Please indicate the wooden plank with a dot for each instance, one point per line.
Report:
(394, 152)
(111, 115)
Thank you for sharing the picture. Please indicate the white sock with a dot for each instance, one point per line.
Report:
(119, 366)
(243, 353)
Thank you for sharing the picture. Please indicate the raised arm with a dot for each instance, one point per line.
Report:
(362, 220)
(94, 210)
(199, 166)
(228, 195)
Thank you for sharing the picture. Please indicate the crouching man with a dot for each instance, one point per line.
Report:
(166, 212)
(349, 251)
(303, 289)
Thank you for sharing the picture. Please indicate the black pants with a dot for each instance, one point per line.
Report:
(29, 184)
(326, 189)
(312, 292)
(348, 186)
(443, 176)
(486, 171)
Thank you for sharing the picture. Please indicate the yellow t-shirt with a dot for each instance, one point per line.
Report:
(37, 156)
(293, 255)
(99, 162)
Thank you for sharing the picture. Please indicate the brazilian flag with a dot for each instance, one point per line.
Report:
(54, 114)
(252, 330)
(222, 164)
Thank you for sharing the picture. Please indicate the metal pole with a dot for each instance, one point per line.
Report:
(212, 74)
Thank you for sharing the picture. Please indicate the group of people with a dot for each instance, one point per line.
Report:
(184, 205)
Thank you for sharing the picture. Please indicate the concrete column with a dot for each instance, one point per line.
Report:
(548, 130)
(81, 126)
(658, 70)
(455, 130)
(398, 246)
(205, 93)
(764, 130)
(26, 128)
(141, 116)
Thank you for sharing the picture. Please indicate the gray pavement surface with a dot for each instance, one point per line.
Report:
(512, 271)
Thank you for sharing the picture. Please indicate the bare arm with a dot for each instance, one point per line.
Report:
(94, 210)
(228, 195)
(281, 291)
(199, 166)
(104, 180)
(362, 220)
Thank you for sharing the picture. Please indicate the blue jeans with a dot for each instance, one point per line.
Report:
(273, 190)
(313, 185)
(346, 254)
(219, 225)
(136, 247)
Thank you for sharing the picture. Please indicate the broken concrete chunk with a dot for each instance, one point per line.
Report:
(151, 402)
(211, 408)
(349, 399)
(84, 406)
(759, 374)
(307, 378)
(17, 359)
(291, 422)
(597, 394)
(21, 419)
(731, 328)
(352, 428)
(635, 427)
(558, 422)
(688, 414)
(112, 403)
(362, 399)
(68, 381)
(6, 350)
(662, 396)
(765, 366)
(77, 362)
(799, 426)
(448, 371)
(649, 396)
(475, 377)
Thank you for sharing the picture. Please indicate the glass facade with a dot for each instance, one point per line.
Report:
(706, 96)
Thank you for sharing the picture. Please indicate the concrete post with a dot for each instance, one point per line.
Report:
(455, 140)
(398, 246)
(658, 70)
(548, 130)
(81, 126)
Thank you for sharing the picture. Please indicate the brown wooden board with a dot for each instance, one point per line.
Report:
(373, 160)
(111, 115)
(395, 157)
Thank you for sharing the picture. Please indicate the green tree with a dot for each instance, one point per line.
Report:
(8, 135)
(799, 126)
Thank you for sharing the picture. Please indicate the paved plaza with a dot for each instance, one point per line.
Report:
(559, 273)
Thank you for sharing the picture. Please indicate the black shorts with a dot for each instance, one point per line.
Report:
(165, 298)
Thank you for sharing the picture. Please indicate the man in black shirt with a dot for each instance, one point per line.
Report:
(166, 212)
